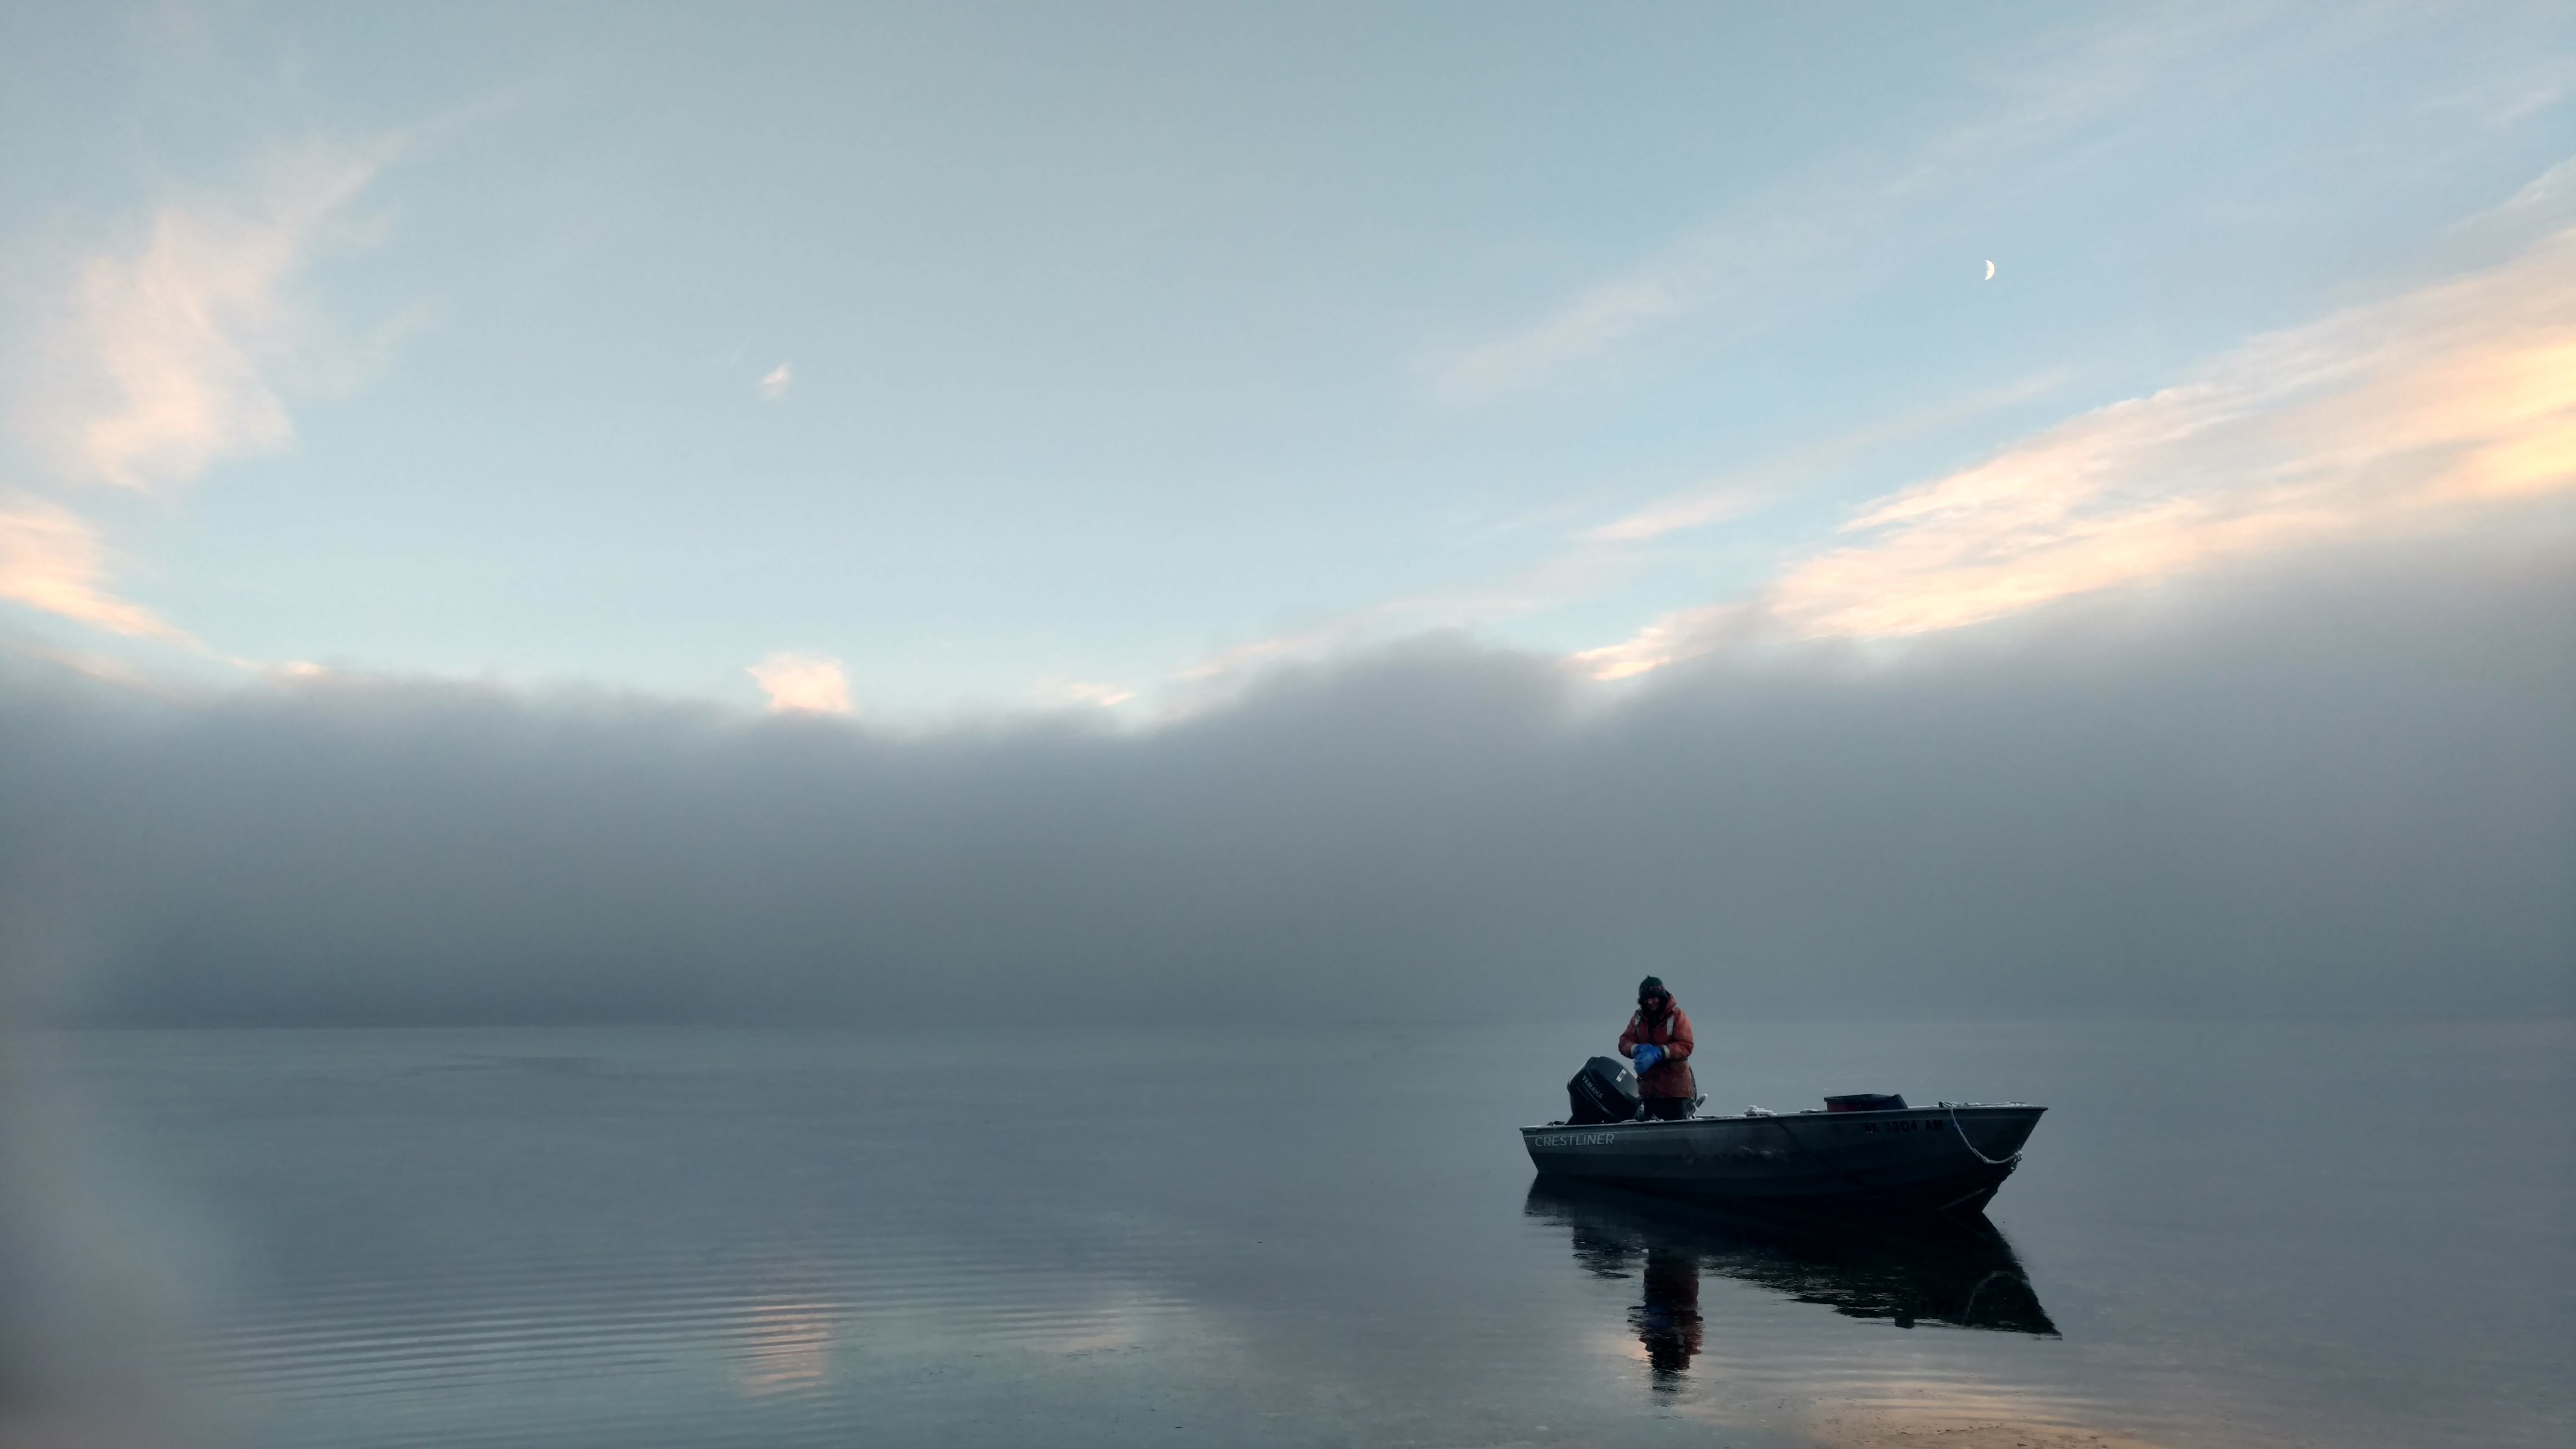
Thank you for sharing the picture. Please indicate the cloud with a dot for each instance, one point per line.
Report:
(169, 357)
(1598, 318)
(51, 560)
(1724, 499)
(2344, 786)
(1697, 509)
(2392, 417)
(1552, 581)
(2397, 418)
(808, 683)
(775, 382)
(1681, 634)
(1840, 230)
(2547, 194)
(1602, 556)
(1096, 695)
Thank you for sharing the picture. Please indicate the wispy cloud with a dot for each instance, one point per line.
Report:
(803, 683)
(2406, 415)
(1696, 509)
(1729, 497)
(1682, 634)
(2402, 416)
(2550, 191)
(164, 356)
(1097, 695)
(169, 356)
(52, 561)
(775, 383)
(1602, 556)
(1842, 229)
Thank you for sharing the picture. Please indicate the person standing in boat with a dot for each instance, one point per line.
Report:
(1658, 1040)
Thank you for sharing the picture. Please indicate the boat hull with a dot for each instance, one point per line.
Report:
(1915, 1159)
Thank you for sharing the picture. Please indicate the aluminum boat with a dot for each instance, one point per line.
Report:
(1946, 1158)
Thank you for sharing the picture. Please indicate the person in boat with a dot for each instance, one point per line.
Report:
(1658, 1040)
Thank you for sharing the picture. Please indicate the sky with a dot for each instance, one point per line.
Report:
(2092, 485)
(933, 361)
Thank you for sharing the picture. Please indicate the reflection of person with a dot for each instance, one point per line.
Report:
(1658, 1039)
(1668, 1321)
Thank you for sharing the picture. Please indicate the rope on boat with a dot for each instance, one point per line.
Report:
(1961, 1133)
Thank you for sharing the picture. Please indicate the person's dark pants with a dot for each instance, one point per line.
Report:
(1669, 1109)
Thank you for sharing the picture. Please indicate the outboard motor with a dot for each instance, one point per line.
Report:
(1604, 1091)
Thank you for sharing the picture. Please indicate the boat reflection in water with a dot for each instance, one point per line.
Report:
(1956, 1271)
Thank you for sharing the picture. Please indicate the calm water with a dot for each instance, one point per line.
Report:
(2221, 1235)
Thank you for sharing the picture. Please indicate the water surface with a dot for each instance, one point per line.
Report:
(2346, 1235)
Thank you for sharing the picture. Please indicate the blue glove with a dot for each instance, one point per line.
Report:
(1647, 1055)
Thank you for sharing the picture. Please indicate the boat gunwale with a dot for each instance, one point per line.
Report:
(1937, 1112)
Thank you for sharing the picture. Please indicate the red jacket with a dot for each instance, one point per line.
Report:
(1671, 1031)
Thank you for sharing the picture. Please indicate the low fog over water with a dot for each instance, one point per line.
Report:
(2344, 791)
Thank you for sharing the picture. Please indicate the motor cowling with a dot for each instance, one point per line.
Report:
(1604, 1091)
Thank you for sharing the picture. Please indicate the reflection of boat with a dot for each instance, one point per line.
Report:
(1949, 1158)
(1952, 1270)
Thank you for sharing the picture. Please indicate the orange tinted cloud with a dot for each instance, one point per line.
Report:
(160, 362)
(807, 683)
(2386, 418)
(52, 561)
(2402, 416)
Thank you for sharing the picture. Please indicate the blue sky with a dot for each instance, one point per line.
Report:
(934, 359)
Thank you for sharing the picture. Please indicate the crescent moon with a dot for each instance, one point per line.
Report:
(1990, 271)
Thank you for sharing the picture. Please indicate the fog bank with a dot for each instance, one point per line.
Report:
(2349, 792)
